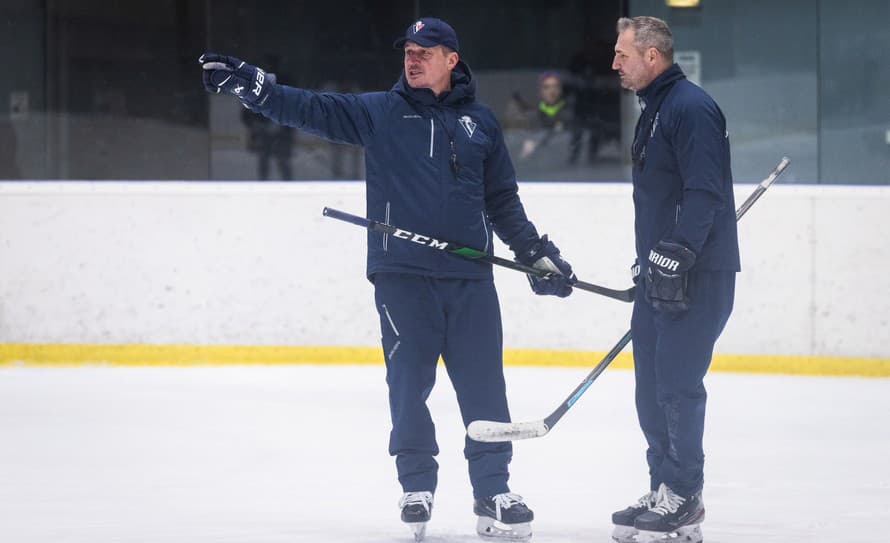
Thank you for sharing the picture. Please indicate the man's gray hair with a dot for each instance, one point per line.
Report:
(650, 32)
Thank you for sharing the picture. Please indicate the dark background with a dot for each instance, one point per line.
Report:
(102, 90)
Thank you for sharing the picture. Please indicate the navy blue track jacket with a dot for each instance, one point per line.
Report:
(682, 178)
(436, 166)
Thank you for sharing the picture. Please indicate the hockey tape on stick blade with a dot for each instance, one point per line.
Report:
(483, 430)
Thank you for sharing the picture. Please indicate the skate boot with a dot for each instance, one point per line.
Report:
(673, 518)
(503, 516)
(623, 520)
(416, 510)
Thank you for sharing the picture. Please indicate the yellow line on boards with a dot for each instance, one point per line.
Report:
(73, 354)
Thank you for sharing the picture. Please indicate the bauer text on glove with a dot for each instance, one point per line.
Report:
(222, 73)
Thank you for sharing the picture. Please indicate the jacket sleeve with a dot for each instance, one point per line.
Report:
(702, 155)
(340, 118)
(502, 198)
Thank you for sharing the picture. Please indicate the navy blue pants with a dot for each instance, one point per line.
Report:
(671, 357)
(422, 318)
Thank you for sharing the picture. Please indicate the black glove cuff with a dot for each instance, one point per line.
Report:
(635, 271)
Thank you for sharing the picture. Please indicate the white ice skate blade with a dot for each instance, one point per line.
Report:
(624, 534)
(684, 534)
(490, 528)
(418, 529)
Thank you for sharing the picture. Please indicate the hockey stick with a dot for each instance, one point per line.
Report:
(467, 252)
(487, 430)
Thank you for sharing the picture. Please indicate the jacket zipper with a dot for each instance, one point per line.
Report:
(432, 136)
(386, 236)
(485, 228)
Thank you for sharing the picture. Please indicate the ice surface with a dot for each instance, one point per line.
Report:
(298, 454)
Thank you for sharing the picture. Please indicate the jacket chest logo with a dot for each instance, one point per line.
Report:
(468, 124)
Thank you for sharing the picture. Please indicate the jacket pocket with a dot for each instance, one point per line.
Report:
(487, 233)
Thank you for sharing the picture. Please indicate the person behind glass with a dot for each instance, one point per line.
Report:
(551, 116)
(269, 141)
(436, 162)
(586, 66)
(9, 166)
(687, 259)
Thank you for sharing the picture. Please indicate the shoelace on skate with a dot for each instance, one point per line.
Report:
(505, 501)
(647, 500)
(411, 498)
(666, 501)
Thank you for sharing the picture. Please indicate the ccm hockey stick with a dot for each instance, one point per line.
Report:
(487, 430)
(467, 252)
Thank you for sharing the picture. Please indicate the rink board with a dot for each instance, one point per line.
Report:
(175, 273)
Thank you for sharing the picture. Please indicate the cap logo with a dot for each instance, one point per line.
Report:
(417, 26)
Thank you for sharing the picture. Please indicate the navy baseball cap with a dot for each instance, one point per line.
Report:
(429, 32)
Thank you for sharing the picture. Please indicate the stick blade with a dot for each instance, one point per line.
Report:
(490, 431)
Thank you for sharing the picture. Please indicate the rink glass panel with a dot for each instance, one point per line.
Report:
(112, 91)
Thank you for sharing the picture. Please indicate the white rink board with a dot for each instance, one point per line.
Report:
(256, 264)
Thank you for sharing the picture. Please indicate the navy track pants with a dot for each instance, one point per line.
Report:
(422, 318)
(672, 354)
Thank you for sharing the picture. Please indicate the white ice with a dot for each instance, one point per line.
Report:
(299, 454)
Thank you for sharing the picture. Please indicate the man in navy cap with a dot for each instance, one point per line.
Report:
(436, 163)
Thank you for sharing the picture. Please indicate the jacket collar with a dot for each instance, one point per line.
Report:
(463, 89)
(661, 84)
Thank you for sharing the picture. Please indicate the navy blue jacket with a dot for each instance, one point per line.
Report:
(412, 181)
(681, 177)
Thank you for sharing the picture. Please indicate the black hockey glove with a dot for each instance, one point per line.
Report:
(544, 255)
(669, 263)
(250, 84)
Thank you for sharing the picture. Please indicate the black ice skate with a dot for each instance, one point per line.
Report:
(417, 507)
(623, 520)
(673, 518)
(504, 516)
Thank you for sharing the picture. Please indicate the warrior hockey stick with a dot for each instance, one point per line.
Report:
(467, 252)
(487, 430)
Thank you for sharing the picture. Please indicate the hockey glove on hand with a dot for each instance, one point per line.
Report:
(635, 272)
(544, 255)
(666, 276)
(250, 84)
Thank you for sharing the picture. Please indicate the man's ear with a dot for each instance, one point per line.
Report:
(652, 55)
(453, 57)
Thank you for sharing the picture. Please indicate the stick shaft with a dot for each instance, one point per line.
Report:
(498, 431)
(467, 252)
(610, 356)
